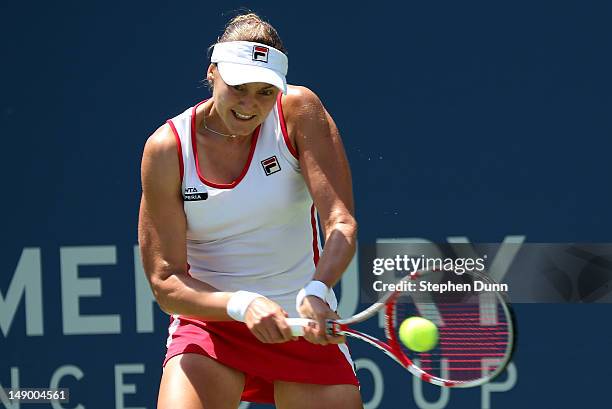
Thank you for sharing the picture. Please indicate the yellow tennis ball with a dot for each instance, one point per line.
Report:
(418, 334)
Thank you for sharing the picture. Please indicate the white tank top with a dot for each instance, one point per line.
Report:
(259, 233)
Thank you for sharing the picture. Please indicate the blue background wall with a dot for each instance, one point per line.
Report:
(472, 119)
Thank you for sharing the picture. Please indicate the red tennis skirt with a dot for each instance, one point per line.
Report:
(232, 344)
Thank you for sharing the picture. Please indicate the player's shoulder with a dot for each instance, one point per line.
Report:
(161, 143)
(160, 152)
(301, 94)
(301, 102)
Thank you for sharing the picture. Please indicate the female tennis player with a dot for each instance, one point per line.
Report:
(229, 236)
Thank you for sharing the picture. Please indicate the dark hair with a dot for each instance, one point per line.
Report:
(250, 27)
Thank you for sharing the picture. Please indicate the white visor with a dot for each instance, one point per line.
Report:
(240, 62)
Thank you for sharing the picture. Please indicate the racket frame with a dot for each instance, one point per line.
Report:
(393, 349)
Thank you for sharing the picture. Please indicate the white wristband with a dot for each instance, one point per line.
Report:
(239, 302)
(316, 288)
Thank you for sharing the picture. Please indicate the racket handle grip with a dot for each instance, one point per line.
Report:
(297, 325)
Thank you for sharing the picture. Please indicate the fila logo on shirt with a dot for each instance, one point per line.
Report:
(260, 53)
(191, 194)
(270, 165)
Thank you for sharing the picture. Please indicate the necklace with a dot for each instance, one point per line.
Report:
(213, 131)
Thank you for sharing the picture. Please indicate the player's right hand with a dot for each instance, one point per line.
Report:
(267, 321)
(318, 310)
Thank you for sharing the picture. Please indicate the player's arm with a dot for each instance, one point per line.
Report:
(326, 171)
(162, 238)
(162, 235)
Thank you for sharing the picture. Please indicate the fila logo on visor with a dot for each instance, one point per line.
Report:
(260, 53)
(270, 165)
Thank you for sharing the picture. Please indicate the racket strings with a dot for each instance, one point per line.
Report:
(473, 338)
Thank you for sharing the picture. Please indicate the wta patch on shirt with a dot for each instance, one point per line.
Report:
(191, 194)
(260, 53)
(270, 165)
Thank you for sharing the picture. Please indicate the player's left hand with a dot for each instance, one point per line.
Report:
(316, 309)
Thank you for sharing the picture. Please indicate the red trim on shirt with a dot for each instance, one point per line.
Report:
(284, 127)
(194, 145)
(315, 235)
(178, 147)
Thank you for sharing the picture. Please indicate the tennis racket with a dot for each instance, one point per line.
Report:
(475, 325)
